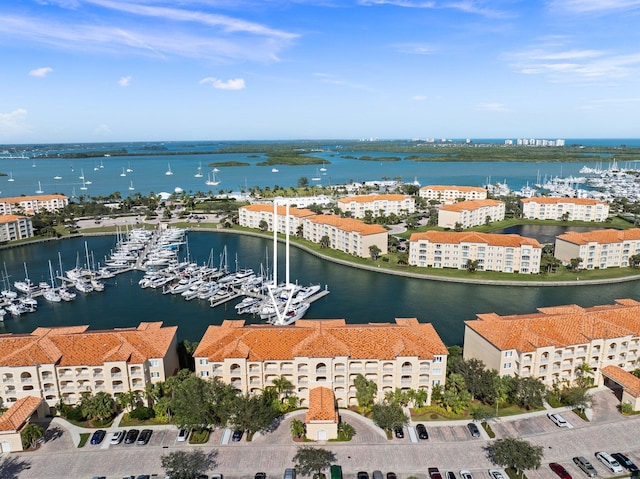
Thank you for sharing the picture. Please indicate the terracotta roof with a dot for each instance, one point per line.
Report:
(470, 205)
(372, 198)
(10, 218)
(320, 339)
(450, 237)
(77, 346)
(549, 200)
(607, 236)
(454, 188)
(348, 224)
(559, 326)
(628, 381)
(281, 210)
(18, 199)
(15, 417)
(322, 405)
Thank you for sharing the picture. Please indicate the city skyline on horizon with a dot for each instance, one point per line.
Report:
(241, 70)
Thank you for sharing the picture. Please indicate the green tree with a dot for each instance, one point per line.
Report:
(283, 386)
(303, 182)
(472, 265)
(187, 464)
(365, 391)
(30, 435)
(101, 406)
(325, 241)
(634, 261)
(346, 431)
(516, 453)
(529, 392)
(576, 397)
(309, 460)
(263, 225)
(584, 375)
(374, 252)
(297, 427)
(574, 264)
(191, 403)
(388, 416)
(253, 413)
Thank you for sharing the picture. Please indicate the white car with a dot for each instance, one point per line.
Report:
(183, 434)
(609, 462)
(466, 474)
(496, 474)
(117, 437)
(558, 420)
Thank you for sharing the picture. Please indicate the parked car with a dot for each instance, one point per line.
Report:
(434, 473)
(98, 436)
(144, 437)
(450, 475)
(377, 474)
(624, 461)
(363, 475)
(131, 436)
(558, 420)
(609, 462)
(217, 476)
(496, 474)
(464, 474)
(183, 434)
(237, 435)
(260, 475)
(560, 470)
(399, 432)
(586, 466)
(289, 473)
(117, 437)
(391, 475)
(144, 476)
(473, 429)
(422, 431)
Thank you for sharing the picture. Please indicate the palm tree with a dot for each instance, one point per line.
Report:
(30, 435)
(282, 385)
(584, 375)
(346, 431)
(298, 429)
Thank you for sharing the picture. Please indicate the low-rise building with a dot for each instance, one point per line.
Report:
(346, 234)
(467, 214)
(598, 249)
(565, 209)
(448, 194)
(378, 205)
(251, 216)
(323, 353)
(13, 227)
(59, 364)
(555, 342)
(493, 252)
(29, 205)
(14, 420)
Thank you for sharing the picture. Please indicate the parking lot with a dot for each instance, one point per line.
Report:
(450, 447)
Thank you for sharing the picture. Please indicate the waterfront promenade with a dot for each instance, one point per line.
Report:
(450, 447)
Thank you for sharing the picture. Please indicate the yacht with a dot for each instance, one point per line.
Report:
(169, 172)
(274, 170)
(10, 176)
(129, 170)
(39, 190)
(57, 177)
(123, 172)
(212, 181)
(199, 172)
(131, 188)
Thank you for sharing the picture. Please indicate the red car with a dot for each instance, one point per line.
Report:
(560, 470)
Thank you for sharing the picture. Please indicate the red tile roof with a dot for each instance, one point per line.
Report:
(18, 199)
(281, 210)
(322, 406)
(549, 200)
(454, 188)
(320, 339)
(371, 198)
(559, 326)
(348, 224)
(450, 237)
(629, 382)
(607, 236)
(15, 417)
(10, 218)
(77, 346)
(470, 205)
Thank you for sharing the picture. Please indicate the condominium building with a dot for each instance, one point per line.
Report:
(470, 213)
(251, 216)
(377, 205)
(30, 205)
(448, 194)
(493, 252)
(573, 209)
(553, 343)
(59, 364)
(600, 248)
(346, 234)
(13, 227)
(324, 353)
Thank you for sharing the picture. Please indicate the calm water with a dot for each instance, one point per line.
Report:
(543, 233)
(149, 172)
(357, 296)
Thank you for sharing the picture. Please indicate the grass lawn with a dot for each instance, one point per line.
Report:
(126, 421)
(199, 437)
(84, 437)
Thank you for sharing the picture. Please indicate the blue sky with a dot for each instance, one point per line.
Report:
(120, 70)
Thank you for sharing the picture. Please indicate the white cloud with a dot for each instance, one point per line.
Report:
(467, 6)
(124, 81)
(491, 107)
(415, 48)
(102, 130)
(594, 6)
(419, 97)
(13, 123)
(233, 84)
(40, 72)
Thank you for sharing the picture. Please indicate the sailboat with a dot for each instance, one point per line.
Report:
(274, 170)
(39, 190)
(57, 177)
(317, 177)
(199, 173)
(212, 181)
(123, 173)
(215, 170)
(84, 186)
(81, 177)
(129, 170)
(169, 172)
(131, 188)
(50, 294)
(322, 168)
(10, 176)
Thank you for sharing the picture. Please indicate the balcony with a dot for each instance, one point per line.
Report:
(116, 375)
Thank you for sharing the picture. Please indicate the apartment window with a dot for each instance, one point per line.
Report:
(154, 363)
(437, 359)
(437, 371)
(508, 354)
(204, 374)
(203, 361)
(506, 366)
(155, 375)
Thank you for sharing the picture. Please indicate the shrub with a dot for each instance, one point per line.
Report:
(74, 414)
(142, 413)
